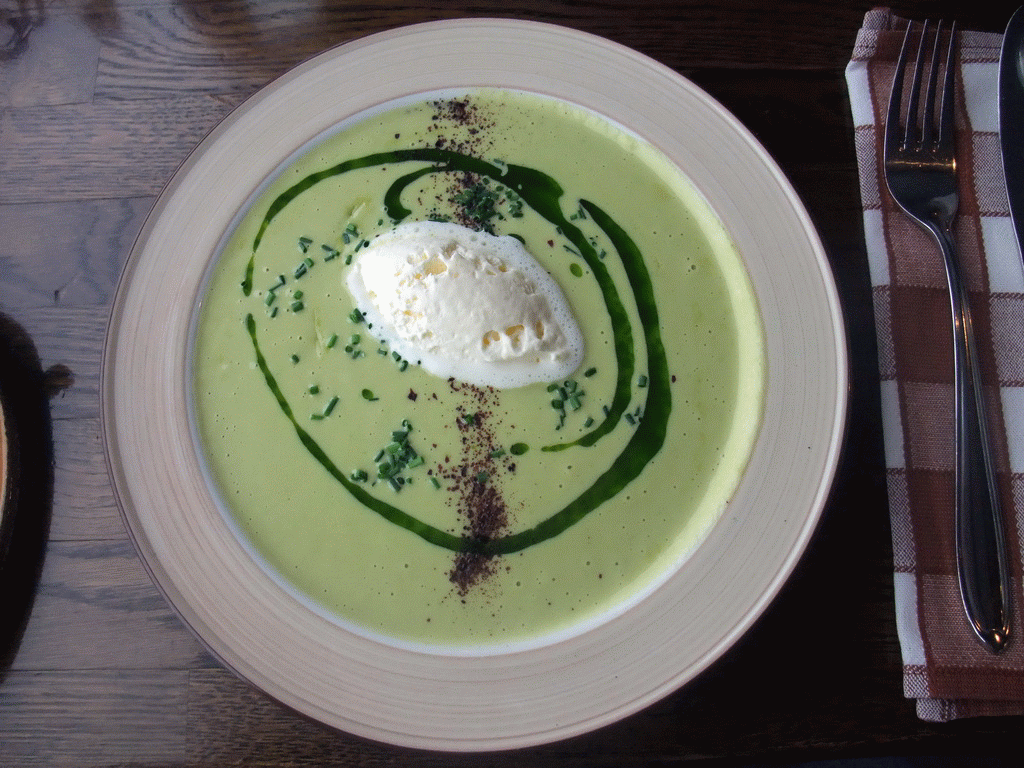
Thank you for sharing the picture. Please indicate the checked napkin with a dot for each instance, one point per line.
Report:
(949, 673)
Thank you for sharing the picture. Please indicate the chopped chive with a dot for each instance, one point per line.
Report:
(574, 402)
(558, 405)
(348, 259)
(273, 312)
(396, 356)
(348, 348)
(605, 409)
(329, 252)
(354, 338)
(400, 435)
(308, 262)
(314, 389)
(497, 453)
(360, 476)
(629, 418)
(379, 456)
(641, 381)
(403, 365)
(435, 482)
(382, 351)
(295, 358)
(589, 422)
(297, 306)
(393, 448)
(481, 477)
(330, 405)
(415, 461)
(355, 316)
(316, 416)
(304, 243)
(368, 395)
(299, 271)
(331, 340)
(518, 449)
(469, 418)
(270, 298)
(552, 387)
(297, 294)
(590, 371)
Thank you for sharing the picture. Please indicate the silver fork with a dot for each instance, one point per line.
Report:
(920, 171)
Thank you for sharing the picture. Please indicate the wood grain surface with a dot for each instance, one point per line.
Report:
(100, 102)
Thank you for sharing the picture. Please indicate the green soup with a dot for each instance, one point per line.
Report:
(427, 511)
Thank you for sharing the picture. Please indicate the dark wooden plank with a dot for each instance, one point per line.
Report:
(57, 64)
(98, 609)
(84, 508)
(100, 717)
(66, 254)
(70, 339)
(235, 47)
(107, 149)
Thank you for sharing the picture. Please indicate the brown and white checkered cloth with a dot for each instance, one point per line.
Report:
(948, 672)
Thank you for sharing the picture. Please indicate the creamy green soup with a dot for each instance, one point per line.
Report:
(428, 511)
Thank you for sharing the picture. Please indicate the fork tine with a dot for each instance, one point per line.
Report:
(928, 119)
(913, 133)
(945, 139)
(893, 138)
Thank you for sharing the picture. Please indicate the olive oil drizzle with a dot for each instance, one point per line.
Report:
(543, 194)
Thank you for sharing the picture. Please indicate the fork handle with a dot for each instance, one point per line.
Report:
(980, 545)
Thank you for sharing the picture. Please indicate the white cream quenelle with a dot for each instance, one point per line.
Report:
(466, 305)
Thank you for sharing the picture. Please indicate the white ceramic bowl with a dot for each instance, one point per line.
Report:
(470, 702)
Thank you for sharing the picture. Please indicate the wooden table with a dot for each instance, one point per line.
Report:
(100, 101)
